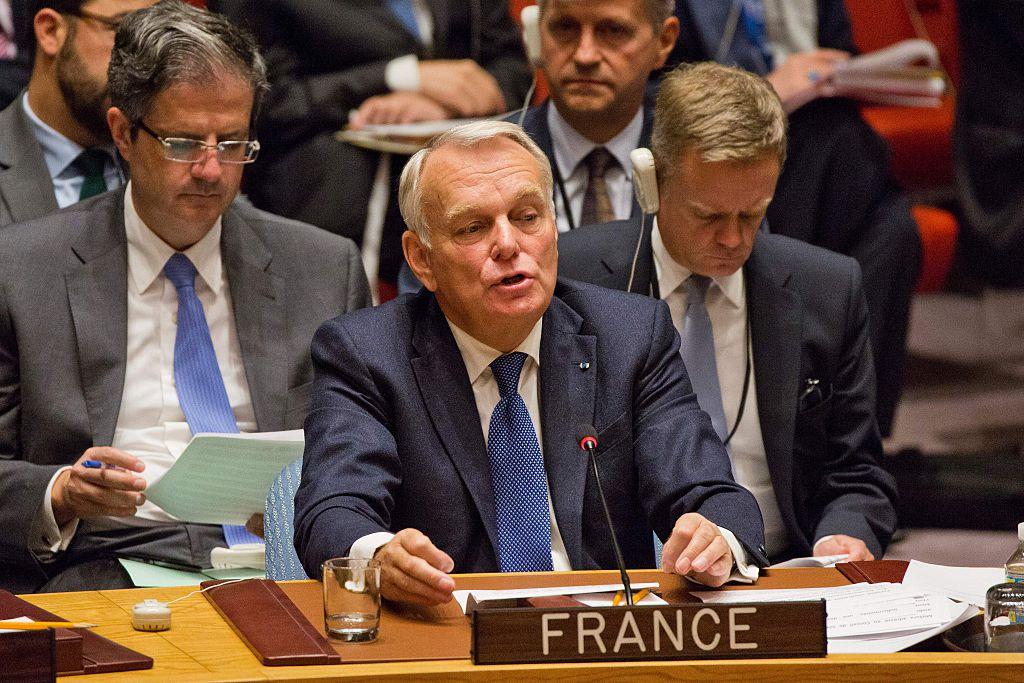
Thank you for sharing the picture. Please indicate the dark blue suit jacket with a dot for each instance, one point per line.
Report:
(393, 438)
(808, 320)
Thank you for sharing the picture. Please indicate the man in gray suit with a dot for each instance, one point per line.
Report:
(55, 147)
(112, 350)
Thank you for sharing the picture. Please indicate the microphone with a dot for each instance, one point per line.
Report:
(586, 437)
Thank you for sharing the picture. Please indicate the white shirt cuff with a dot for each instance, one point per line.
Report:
(821, 540)
(365, 547)
(47, 538)
(743, 571)
(402, 74)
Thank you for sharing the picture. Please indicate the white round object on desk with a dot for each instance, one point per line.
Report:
(151, 615)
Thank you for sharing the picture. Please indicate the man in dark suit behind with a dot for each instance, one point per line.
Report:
(97, 359)
(389, 62)
(55, 146)
(784, 367)
(442, 427)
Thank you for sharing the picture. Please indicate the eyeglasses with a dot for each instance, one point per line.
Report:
(110, 23)
(189, 151)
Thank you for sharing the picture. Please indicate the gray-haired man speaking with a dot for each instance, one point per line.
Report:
(140, 317)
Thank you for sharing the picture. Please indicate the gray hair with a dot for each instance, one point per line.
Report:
(725, 113)
(172, 42)
(657, 10)
(410, 190)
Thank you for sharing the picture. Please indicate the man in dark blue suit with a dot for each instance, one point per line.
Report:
(442, 431)
(784, 368)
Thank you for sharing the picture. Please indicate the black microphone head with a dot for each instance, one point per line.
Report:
(586, 436)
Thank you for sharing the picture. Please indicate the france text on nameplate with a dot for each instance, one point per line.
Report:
(683, 631)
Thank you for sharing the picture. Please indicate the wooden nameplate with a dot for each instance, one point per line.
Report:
(519, 635)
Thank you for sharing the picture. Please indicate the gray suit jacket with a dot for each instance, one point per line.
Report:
(26, 189)
(63, 337)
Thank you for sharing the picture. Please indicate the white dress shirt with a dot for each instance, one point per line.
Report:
(791, 27)
(478, 356)
(727, 307)
(570, 148)
(403, 73)
(150, 423)
(59, 153)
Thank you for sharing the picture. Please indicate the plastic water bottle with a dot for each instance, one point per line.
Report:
(1015, 565)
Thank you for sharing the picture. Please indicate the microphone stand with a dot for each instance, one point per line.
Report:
(588, 446)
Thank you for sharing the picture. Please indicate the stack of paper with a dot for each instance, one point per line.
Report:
(965, 584)
(905, 74)
(592, 596)
(880, 617)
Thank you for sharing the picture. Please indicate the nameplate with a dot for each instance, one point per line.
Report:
(650, 632)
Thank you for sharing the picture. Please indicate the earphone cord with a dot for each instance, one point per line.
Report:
(203, 590)
(636, 253)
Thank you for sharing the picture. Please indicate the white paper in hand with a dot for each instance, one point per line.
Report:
(224, 478)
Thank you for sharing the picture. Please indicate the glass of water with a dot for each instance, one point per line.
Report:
(1004, 618)
(352, 598)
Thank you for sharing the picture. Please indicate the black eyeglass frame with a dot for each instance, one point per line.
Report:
(252, 147)
(111, 23)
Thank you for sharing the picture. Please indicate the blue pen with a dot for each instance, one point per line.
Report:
(93, 464)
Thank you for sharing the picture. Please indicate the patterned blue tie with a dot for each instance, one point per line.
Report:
(197, 378)
(697, 346)
(518, 477)
(403, 9)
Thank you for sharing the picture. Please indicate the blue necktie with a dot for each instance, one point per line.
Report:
(752, 15)
(518, 476)
(403, 9)
(697, 347)
(197, 378)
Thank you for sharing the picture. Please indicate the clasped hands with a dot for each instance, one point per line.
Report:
(449, 88)
(414, 570)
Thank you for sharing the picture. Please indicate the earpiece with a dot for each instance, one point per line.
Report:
(645, 180)
(645, 185)
(151, 615)
(530, 18)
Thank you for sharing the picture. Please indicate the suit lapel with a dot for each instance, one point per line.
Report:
(448, 397)
(618, 261)
(259, 319)
(567, 395)
(23, 173)
(709, 23)
(440, 13)
(775, 327)
(97, 286)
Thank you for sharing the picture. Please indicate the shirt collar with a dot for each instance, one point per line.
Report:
(671, 274)
(58, 151)
(478, 356)
(148, 254)
(571, 146)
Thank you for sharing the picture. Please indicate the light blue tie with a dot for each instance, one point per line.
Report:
(403, 9)
(697, 347)
(197, 378)
(752, 15)
(517, 475)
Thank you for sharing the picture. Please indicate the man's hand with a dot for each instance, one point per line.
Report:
(844, 545)
(697, 548)
(805, 76)
(112, 490)
(461, 86)
(397, 107)
(414, 570)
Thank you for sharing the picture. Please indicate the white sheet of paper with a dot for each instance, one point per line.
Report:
(824, 561)
(964, 584)
(462, 597)
(856, 610)
(224, 478)
(606, 599)
(894, 642)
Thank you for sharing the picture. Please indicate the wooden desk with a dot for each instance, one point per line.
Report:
(202, 647)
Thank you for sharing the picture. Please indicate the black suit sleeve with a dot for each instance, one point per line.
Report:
(834, 28)
(856, 496)
(501, 52)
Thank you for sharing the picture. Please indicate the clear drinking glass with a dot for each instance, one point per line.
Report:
(352, 598)
(1004, 618)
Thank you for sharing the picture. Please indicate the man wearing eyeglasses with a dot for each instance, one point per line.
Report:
(55, 147)
(138, 318)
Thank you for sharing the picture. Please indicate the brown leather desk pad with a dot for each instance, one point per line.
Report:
(79, 650)
(874, 571)
(444, 632)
